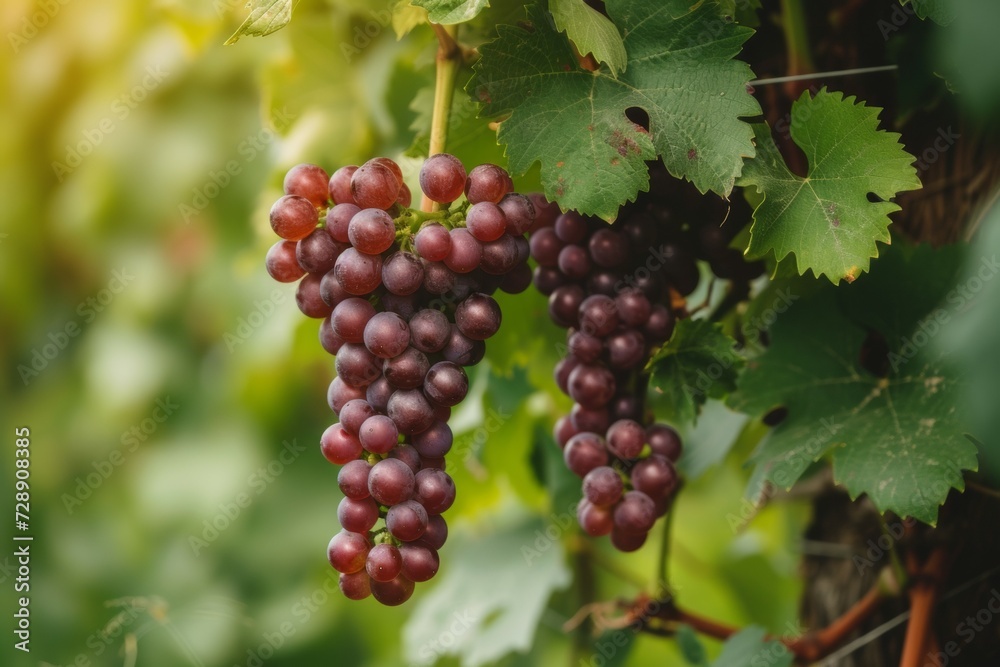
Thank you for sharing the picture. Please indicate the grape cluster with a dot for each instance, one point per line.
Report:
(405, 299)
(618, 290)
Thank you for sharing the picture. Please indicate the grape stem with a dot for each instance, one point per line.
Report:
(449, 58)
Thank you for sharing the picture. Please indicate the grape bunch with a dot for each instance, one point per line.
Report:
(618, 290)
(405, 299)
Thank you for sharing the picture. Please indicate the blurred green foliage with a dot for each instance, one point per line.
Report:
(133, 141)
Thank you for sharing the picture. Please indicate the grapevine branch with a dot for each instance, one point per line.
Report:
(810, 647)
(449, 57)
(923, 596)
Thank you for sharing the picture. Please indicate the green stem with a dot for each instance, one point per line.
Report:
(449, 58)
(793, 21)
(662, 579)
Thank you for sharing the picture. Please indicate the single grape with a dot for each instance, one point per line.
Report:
(358, 273)
(633, 308)
(564, 305)
(635, 514)
(437, 532)
(383, 563)
(355, 586)
(429, 330)
(420, 563)
(376, 186)
(402, 273)
(598, 315)
(407, 521)
(486, 221)
(584, 452)
(595, 521)
(664, 441)
(411, 411)
(403, 305)
(372, 231)
(585, 419)
(604, 282)
(626, 349)
(462, 350)
(486, 183)
(282, 264)
(293, 217)
(446, 383)
(603, 486)
(408, 455)
(350, 317)
(388, 164)
(378, 434)
(340, 393)
(386, 335)
(357, 516)
(353, 479)
(627, 542)
(309, 181)
(340, 185)
(574, 262)
(435, 442)
(626, 438)
(308, 299)
(500, 256)
(378, 394)
(338, 220)
(585, 347)
(564, 368)
(330, 289)
(519, 212)
(627, 407)
(548, 279)
(347, 552)
(392, 593)
(478, 317)
(591, 386)
(545, 211)
(545, 247)
(407, 370)
(607, 248)
(564, 430)
(438, 278)
(390, 482)
(435, 490)
(660, 325)
(465, 253)
(442, 178)
(571, 228)
(357, 366)
(518, 280)
(338, 445)
(432, 242)
(354, 414)
(655, 476)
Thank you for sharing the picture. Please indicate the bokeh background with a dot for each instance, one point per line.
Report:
(180, 506)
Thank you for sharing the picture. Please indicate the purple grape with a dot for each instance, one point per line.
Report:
(390, 482)
(411, 411)
(357, 516)
(350, 317)
(603, 486)
(402, 273)
(429, 331)
(293, 217)
(347, 552)
(340, 185)
(433, 242)
(584, 452)
(442, 178)
(383, 563)
(353, 479)
(407, 521)
(282, 264)
(378, 434)
(339, 446)
(386, 335)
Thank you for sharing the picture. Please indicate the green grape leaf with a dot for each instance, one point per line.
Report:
(749, 648)
(447, 12)
(690, 645)
(266, 16)
(825, 219)
(406, 17)
(591, 31)
(490, 599)
(941, 12)
(697, 363)
(680, 71)
(893, 426)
